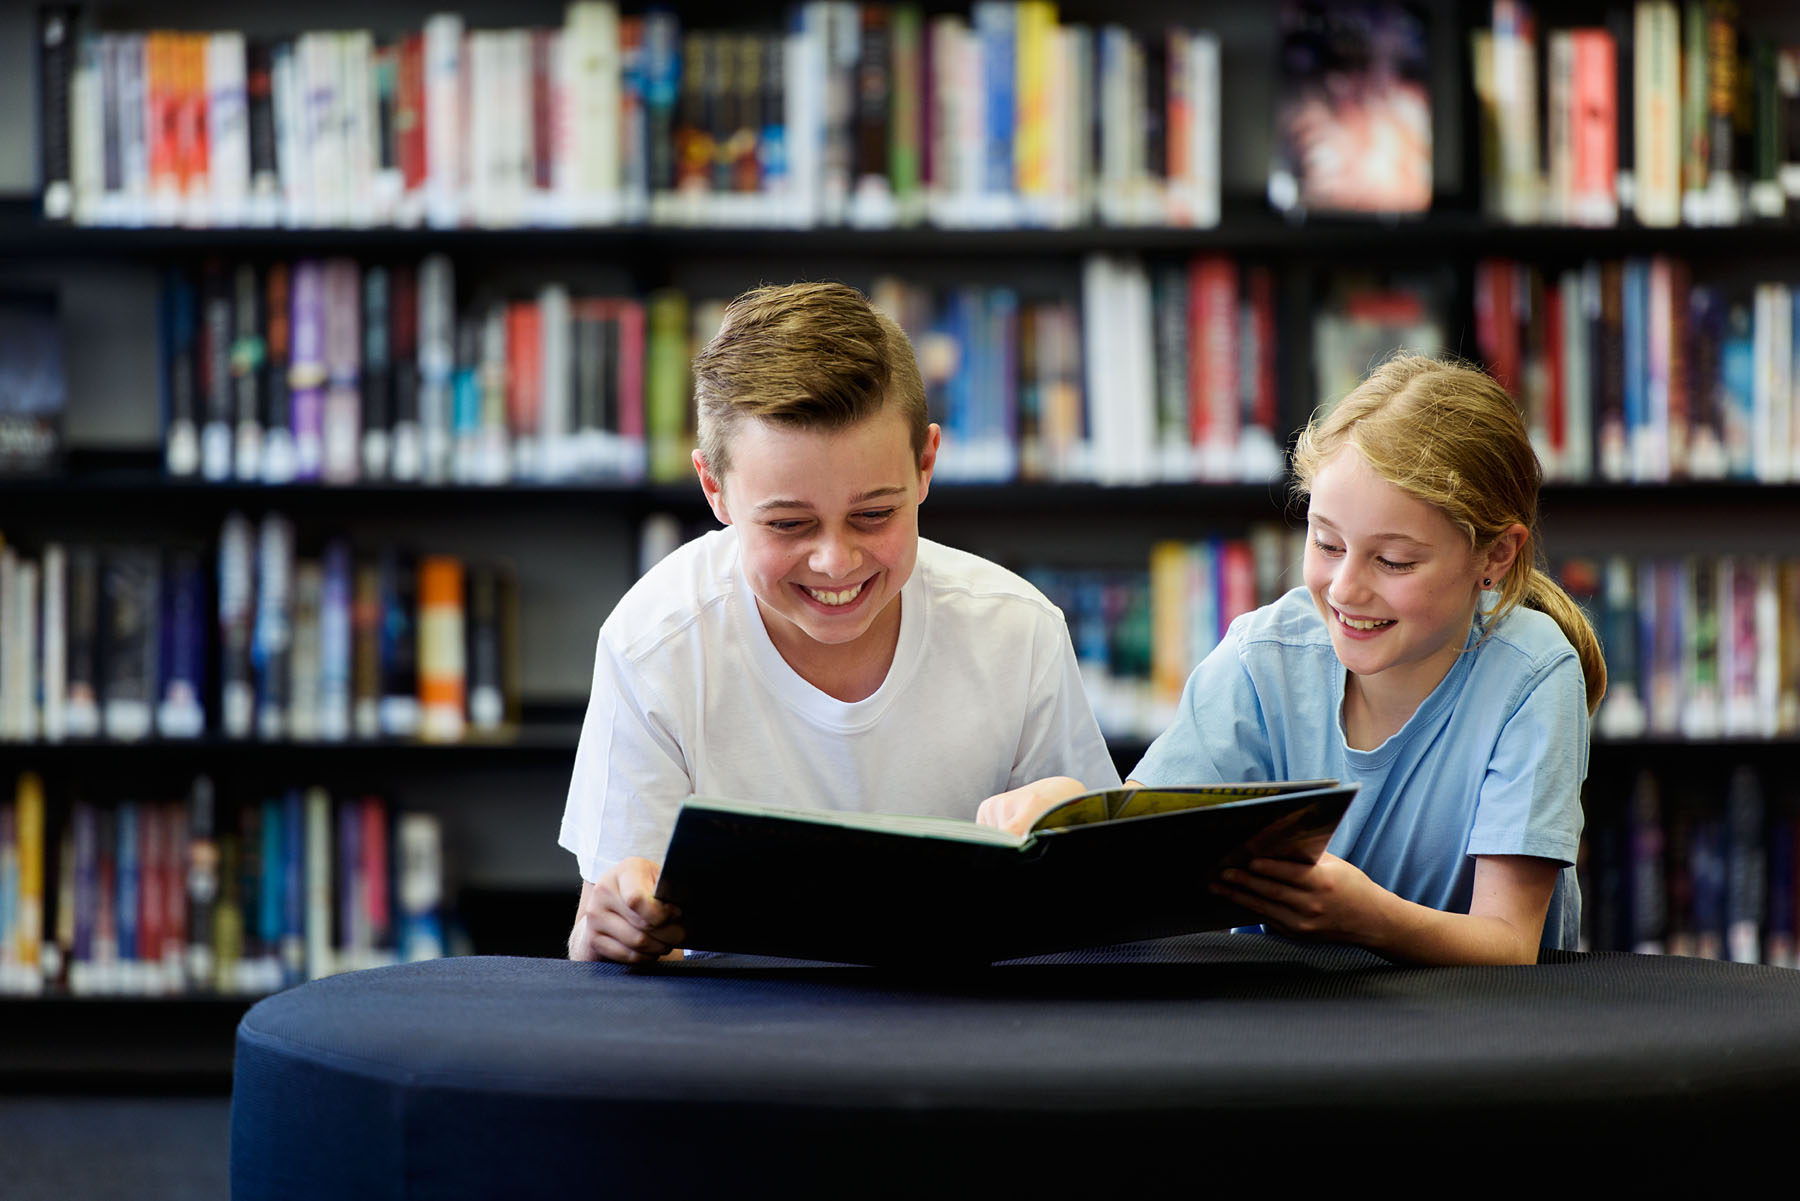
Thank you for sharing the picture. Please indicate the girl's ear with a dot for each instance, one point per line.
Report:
(1505, 551)
(713, 486)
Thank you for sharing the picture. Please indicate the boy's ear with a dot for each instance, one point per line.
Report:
(928, 457)
(713, 487)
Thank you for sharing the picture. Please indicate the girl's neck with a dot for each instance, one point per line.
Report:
(1376, 709)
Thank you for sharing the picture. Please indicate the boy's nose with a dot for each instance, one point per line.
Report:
(835, 557)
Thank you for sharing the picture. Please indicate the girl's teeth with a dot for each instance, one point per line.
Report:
(834, 598)
(1362, 625)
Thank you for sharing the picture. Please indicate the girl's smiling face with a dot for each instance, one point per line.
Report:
(1395, 580)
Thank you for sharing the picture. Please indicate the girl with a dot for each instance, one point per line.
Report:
(1428, 659)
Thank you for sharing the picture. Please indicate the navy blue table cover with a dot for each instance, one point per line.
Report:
(734, 1076)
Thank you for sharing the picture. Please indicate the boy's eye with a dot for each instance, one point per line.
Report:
(875, 515)
(786, 525)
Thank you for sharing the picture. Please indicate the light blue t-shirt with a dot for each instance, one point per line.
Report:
(1490, 764)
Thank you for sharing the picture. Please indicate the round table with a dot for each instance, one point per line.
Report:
(734, 1076)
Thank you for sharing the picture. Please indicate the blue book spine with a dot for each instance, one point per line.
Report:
(996, 26)
(1003, 392)
(127, 883)
(1737, 370)
(271, 896)
(181, 709)
(1637, 360)
(293, 888)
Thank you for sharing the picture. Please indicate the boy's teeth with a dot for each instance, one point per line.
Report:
(834, 598)
(1362, 625)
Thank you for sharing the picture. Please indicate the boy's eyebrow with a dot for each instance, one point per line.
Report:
(1406, 539)
(781, 502)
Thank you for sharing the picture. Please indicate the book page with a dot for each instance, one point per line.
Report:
(916, 825)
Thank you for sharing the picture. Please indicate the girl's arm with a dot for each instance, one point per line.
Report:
(1333, 899)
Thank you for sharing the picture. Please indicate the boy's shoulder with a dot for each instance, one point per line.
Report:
(945, 570)
(687, 586)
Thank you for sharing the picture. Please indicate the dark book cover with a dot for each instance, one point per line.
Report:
(202, 883)
(218, 400)
(661, 58)
(181, 691)
(57, 32)
(399, 645)
(827, 885)
(272, 636)
(277, 418)
(265, 175)
(377, 378)
(1352, 109)
(130, 608)
(33, 387)
(249, 369)
(874, 95)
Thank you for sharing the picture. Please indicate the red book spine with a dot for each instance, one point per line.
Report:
(165, 114)
(152, 863)
(376, 876)
(1213, 351)
(631, 369)
(524, 367)
(1264, 399)
(409, 111)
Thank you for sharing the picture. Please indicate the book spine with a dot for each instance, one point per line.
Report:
(272, 639)
(178, 318)
(228, 135)
(421, 887)
(130, 595)
(1657, 124)
(304, 656)
(181, 709)
(307, 369)
(376, 376)
(342, 418)
(57, 47)
(407, 447)
(335, 643)
(444, 131)
(202, 884)
(217, 401)
(365, 652)
(399, 646)
(441, 656)
(319, 958)
(249, 371)
(437, 361)
(278, 453)
(377, 879)
(263, 205)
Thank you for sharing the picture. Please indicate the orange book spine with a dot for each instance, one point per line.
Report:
(443, 676)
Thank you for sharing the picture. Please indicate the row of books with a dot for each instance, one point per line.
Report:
(334, 372)
(208, 895)
(1138, 632)
(1672, 113)
(870, 114)
(1700, 646)
(118, 642)
(1681, 871)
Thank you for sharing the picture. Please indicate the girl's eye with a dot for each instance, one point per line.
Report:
(1327, 548)
(1393, 566)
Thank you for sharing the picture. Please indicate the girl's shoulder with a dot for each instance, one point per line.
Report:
(1533, 637)
(1290, 620)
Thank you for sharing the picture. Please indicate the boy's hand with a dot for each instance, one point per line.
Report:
(1015, 811)
(620, 919)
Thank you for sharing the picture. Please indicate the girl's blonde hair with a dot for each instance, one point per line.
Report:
(1449, 434)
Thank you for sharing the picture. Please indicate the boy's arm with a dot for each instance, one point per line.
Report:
(620, 919)
(1333, 899)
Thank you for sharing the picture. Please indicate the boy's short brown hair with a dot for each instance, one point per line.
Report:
(809, 356)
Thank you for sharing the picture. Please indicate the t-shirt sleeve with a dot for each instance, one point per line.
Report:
(631, 773)
(1220, 732)
(1530, 802)
(1061, 737)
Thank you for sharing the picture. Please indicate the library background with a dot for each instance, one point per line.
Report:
(343, 391)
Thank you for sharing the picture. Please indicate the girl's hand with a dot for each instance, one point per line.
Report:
(1328, 899)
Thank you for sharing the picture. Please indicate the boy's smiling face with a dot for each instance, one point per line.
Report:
(828, 524)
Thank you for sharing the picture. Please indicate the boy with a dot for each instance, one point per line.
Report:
(815, 651)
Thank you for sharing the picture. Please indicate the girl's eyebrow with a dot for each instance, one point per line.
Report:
(1394, 538)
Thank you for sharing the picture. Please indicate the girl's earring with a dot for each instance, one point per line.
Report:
(1486, 582)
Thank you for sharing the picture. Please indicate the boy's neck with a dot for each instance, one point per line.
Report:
(848, 671)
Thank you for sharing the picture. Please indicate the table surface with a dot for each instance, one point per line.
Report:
(1253, 1036)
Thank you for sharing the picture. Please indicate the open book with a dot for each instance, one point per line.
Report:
(1117, 865)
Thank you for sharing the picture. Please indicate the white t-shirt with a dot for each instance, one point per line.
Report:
(691, 697)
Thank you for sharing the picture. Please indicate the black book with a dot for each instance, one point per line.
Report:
(883, 888)
(278, 433)
(179, 323)
(56, 44)
(130, 608)
(216, 372)
(33, 388)
(265, 171)
(399, 645)
(249, 370)
(377, 377)
(407, 451)
(81, 712)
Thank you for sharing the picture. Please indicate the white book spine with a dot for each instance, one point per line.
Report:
(443, 120)
(591, 56)
(1656, 125)
(87, 135)
(1204, 121)
(56, 646)
(319, 949)
(287, 102)
(556, 451)
(228, 128)
(360, 124)
(437, 359)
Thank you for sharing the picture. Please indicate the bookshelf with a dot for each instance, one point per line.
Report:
(574, 544)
